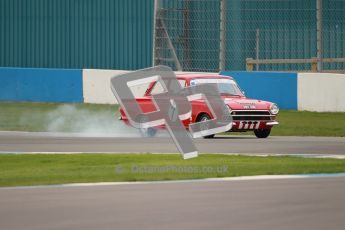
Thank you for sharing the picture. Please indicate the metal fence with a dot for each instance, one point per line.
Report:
(102, 34)
(212, 35)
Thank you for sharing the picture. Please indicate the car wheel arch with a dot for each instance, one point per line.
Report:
(200, 115)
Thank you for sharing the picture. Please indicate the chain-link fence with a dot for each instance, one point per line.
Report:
(211, 35)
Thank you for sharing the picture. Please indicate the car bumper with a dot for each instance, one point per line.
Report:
(236, 125)
(252, 125)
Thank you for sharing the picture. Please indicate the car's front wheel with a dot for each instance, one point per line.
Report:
(205, 117)
(262, 133)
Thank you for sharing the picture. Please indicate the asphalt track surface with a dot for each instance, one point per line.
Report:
(309, 203)
(313, 203)
(59, 142)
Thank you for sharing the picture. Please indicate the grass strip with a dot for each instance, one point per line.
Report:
(40, 116)
(45, 169)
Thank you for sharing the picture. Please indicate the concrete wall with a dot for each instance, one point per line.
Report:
(321, 92)
(96, 86)
(277, 87)
(304, 91)
(41, 85)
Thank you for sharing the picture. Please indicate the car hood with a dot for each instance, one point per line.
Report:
(246, 103)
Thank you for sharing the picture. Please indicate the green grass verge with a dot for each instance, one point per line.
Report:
(30, 169)
(34, 116)
(304, 123)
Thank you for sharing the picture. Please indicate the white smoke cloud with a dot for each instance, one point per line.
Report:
(69, 118)
(82, 121)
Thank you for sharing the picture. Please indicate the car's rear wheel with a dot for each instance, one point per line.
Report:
(148, 132)
(205, 117)
(262, 133)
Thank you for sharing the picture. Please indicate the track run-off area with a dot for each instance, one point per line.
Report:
(295, 203)
(41, 142)
(259, 202)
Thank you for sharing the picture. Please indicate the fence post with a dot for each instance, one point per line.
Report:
(257, 48)
(155, 10)
(314, 64)
(222, 32)
(249, 64)
(319, 34)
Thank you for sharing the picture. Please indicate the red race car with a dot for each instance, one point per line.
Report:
(248, 114)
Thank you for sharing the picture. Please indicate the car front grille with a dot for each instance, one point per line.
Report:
(251, 115)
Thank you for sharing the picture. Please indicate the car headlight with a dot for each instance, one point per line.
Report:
(274, 109)
(230, 110)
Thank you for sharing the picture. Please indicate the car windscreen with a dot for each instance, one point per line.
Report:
(225, 86)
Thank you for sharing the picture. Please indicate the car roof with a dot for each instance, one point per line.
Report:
(189, 76)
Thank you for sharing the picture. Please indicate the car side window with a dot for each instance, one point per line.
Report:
(158, 88)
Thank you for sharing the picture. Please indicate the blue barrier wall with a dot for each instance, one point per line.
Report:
(277, 87)
(41, 85)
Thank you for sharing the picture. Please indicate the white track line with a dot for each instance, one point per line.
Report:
(303, 155)
(224, 179)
